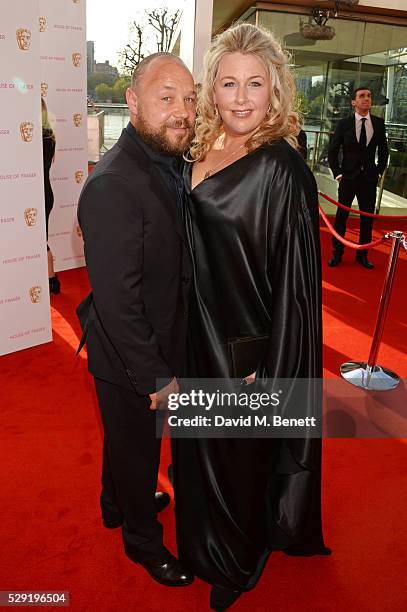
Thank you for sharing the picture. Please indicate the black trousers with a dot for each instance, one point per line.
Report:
(365, 192)
(131, 458)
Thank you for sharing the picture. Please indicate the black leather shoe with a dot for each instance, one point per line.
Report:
(167, 570)
(54, 285)
(222, 598)
(162, 500)
(363, 261)
(335, 261)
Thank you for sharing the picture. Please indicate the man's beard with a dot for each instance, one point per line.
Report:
(158, 139)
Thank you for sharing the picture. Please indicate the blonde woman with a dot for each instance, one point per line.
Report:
(48, 152)
(252, 225)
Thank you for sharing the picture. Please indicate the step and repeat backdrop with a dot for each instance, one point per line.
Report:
(63, 88)
(42, 51)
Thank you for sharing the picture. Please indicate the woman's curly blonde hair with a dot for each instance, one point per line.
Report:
(281, 121)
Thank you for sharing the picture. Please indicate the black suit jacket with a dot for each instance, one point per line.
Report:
(134, 320)
(353, 160)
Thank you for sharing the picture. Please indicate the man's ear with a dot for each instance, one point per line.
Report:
(132, 101)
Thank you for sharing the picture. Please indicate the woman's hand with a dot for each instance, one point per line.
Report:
(250, 379)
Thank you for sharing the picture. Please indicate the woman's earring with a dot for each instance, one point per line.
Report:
(268, 112)
(215, 110)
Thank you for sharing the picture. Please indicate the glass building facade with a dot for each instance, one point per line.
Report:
(326, 71)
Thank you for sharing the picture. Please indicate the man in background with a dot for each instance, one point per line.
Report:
(359, 137)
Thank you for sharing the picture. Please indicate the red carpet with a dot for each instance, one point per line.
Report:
(51, 535)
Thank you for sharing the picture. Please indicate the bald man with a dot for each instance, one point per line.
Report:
(134, 320)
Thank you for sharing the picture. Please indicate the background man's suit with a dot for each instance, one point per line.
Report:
(134, 321)
(359, 173)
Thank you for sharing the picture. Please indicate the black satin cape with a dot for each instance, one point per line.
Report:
(253, 231)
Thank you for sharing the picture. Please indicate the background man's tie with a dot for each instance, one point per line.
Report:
(362, 138)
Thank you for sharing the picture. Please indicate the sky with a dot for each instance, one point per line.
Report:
(107, 23)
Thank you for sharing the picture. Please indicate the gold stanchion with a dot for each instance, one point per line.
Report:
(370, 375)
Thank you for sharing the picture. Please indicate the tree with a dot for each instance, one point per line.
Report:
(96, 78)
(157, 25)
(301, 103)
(103, 92)
(119, 89)
(165, 24)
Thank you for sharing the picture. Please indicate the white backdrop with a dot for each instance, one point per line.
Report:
(63, 84)
(42, 49)
(24, 298)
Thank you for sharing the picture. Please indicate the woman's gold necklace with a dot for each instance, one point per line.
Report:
(211, 170)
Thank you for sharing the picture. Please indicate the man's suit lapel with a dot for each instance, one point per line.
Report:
(376, 128)
(156, 184)
(166, 198)
(352, 121)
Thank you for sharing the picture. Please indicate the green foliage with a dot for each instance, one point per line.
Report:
(96, 79)
(301, 104)
(119, 89)
(103, 92)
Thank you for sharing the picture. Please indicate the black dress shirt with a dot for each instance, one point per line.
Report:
(168, 166)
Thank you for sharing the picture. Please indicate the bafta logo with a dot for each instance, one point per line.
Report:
(76, 59)
(79, 231)
(35, 294)
(77, 119)
(23, 39)
(30, 216)
(27, 131)
(44, 89)
(79, 176)
(42, 22)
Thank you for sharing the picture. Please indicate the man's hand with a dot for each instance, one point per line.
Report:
(338, 178)
(159, 400)
(250, 379)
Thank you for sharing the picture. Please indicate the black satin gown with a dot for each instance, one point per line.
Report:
(253, 231)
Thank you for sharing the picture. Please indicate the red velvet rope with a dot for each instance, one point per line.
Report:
(360, 212)
(348, 243)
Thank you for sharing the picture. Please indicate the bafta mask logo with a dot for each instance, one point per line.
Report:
(79, 176)
(35, 294)
(76, 59)
(43, 22)
(23, 39)
(44, 89)
(77, 119)
(79, 231)
(27, 131)
(30, 216)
